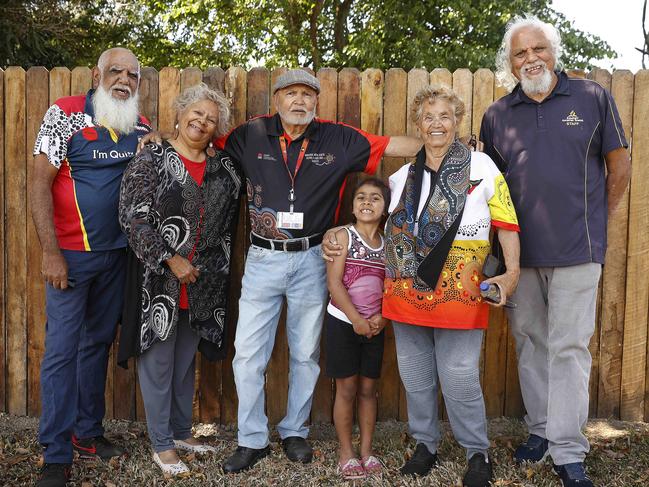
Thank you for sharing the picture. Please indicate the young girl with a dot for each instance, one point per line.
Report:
(354, 325)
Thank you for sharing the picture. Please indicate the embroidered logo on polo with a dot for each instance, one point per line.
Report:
(572, 119)
(266, 157)
(320, 158)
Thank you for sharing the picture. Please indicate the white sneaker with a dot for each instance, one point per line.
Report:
(178, 469)
(202, 448)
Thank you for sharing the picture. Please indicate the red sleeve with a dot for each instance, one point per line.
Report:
(378, 143)
(505, 226)
(364, 150)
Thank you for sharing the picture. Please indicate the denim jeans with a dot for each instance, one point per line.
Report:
(269, 277)
(81, 325)
(552, 325)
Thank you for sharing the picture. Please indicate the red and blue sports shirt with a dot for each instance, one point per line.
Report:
(91, 160)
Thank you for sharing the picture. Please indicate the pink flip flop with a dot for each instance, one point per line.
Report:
(351, 470)
(372, 465)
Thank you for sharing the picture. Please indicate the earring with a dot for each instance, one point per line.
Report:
(210, 150)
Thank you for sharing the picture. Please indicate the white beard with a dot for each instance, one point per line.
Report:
(293, 119)
(120, 115)
(538, 86)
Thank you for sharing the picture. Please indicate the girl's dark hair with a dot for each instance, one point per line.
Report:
(377, 183)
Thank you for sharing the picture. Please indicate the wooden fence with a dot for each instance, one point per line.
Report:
(377, 102)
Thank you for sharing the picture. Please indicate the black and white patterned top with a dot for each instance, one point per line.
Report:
(159, 210)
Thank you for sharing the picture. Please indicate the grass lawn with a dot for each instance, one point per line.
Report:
(619, 457)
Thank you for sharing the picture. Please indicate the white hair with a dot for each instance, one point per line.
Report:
(103, 58)
(201, 92)
(503, 58)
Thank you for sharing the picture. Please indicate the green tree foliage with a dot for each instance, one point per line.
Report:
(315, 33)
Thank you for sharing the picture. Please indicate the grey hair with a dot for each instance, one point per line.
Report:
(201, 92)
(101, 62)
(503, 58)
(436, 92)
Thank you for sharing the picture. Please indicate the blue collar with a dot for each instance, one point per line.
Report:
(88, 108)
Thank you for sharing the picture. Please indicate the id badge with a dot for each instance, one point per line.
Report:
(290, 221)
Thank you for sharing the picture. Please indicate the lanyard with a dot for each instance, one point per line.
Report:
(300, 158)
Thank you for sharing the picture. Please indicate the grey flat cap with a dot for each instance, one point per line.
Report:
(296, 77)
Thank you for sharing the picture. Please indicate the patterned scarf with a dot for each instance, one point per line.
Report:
(422, 256)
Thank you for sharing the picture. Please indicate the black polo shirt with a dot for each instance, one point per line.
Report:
(552, 156)
(333, 151)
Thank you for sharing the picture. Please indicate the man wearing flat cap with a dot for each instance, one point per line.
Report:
(295, 166)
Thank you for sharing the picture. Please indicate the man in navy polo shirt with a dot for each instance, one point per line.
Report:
(560, 144)
(295, 167)
(81, 151)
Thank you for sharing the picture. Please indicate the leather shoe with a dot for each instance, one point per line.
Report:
(297, 449)
(244, 458)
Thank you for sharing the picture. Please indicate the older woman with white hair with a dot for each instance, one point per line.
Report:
(178, 205)
(437, 238)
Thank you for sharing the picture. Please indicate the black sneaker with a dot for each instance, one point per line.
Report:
(54, 475)
(479, 472)
(573, 475)
(534, 450)
(97, 447)
(421, 462)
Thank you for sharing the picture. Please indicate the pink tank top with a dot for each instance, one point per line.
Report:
(363, 277)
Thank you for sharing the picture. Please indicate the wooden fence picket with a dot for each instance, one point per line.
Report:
(37, 103)
(634, 355)
(3, 301)
(613, 281)
(15, 237)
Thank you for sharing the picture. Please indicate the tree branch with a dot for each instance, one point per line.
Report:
(340, 27)
(313, 34)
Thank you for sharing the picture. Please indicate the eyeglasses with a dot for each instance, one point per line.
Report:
(443, 119)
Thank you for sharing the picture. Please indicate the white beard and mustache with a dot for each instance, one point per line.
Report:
(120, 115)
(538, 86)
(293, 119)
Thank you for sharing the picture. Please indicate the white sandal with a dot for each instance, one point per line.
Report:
(202, 448)
(178, 469)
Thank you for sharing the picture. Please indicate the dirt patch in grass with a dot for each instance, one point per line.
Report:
(619, 458)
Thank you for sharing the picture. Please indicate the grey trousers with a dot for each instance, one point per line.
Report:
(552, 325)
(424, 354)
(166, 374)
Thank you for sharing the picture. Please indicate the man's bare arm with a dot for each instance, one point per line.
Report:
(403, 146)
(618, 166)
(54, 267)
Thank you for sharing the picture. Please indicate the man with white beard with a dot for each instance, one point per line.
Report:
(81, 151)
(560, 144)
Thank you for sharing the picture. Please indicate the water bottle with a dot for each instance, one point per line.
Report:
(491, 292)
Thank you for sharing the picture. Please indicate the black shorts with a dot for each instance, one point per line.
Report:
(349, 354)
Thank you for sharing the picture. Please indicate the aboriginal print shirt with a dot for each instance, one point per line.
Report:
(163, 211)
(455, 302)
(332, 151)
(91, 159)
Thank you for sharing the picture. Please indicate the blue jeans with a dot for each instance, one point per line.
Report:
(269, 276)
(81, 325)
